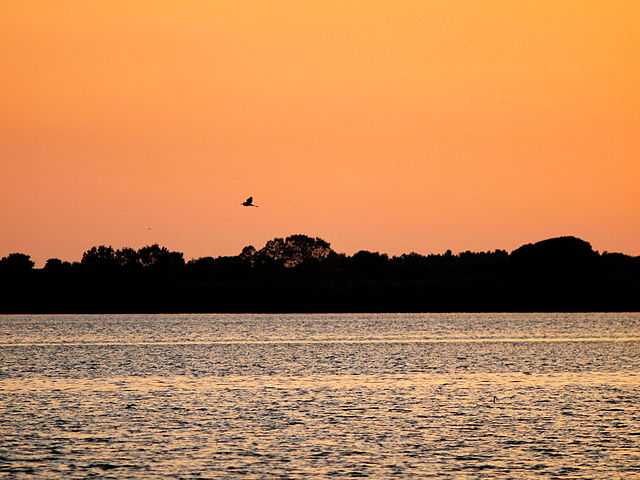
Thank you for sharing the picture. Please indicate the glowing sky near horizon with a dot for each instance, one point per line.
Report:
(390, 126)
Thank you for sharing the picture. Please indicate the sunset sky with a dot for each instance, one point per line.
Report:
(393, 126)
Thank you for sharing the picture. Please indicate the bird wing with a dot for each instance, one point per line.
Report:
(249, 200)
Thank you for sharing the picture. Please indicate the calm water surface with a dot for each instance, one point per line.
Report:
(299, 396)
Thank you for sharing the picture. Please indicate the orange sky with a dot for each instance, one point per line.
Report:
(391, 126)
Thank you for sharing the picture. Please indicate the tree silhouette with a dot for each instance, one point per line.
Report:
(559, 251)
(16, 263)
(365, 263)
(55, 265)
(128, 259)
(160, 259)
(302, 273)
(294, 250)
(99, 258)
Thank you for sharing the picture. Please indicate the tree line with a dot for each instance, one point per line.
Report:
(300, 273)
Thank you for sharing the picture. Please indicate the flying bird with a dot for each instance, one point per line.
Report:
(248, 202)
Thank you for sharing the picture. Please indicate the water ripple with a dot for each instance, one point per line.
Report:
(488, 396)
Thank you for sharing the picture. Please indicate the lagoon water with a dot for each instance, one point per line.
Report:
(303, 396)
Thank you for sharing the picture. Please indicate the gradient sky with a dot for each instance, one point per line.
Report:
(391, 126)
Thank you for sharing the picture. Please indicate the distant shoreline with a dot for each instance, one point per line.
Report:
(301, 274)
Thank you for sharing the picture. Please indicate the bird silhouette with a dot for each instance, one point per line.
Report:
(248, 202)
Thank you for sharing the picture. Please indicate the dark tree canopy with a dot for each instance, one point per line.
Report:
(128, 258)
(303, 273)
(160, 258)
(101, 257)
(55, 265)
(294, 250)
(16, 263)
(560, 249)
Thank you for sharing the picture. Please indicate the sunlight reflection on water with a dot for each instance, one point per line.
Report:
(321, 395)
